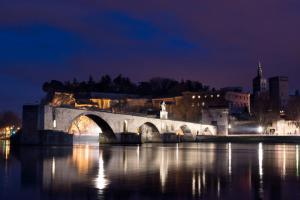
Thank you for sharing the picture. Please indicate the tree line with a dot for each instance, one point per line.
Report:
(8, 119)
(155, 87)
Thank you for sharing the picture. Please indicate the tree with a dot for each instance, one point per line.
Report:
(262, 110)
(155, 87)
(105, 84)
(53, 86)
(9, 118)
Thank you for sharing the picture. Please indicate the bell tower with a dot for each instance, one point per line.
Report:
(259, 82)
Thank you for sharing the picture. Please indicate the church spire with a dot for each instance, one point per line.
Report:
(259, 70)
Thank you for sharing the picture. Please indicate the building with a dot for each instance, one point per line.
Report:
(260, 84)
(217, 117)
(283, 127)
(236, 102)
(279, 92)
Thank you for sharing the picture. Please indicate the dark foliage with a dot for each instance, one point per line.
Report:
(9, 118)
(155, 87)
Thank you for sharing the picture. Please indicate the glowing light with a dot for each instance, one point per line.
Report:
(194, 184)
(54, 123)
(138, 155)
(297, 160)
(260, 129)
(177, 154)
(260, 159)
(284, 162)
(218, 187)
(7, 150)
(229, 126)
(53, 167)
(229, 158)
(199, 185)
(101, 182)
(193, 97)
(204, 178)
(163, 170)
(260, 164)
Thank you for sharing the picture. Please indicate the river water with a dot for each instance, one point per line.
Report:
(151, 171)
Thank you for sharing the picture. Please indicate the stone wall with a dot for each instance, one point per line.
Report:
(283, 127)
(218, 117)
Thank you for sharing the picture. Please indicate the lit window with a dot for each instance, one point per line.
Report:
(199, 97)
(212, 96)
(54, 123)
(203, 104)
(218, 95)
(193, 96)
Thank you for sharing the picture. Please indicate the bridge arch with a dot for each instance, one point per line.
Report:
(185, 133)
(149, 133)
(207, 131)
(104, 133)
(185, 130)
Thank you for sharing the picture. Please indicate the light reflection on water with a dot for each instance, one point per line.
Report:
(207, 170)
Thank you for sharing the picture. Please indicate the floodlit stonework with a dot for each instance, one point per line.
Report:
(114, 126)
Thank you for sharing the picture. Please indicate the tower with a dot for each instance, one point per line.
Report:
(279, 92)
(259, 82)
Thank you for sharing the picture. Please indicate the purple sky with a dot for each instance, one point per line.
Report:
(216, 42)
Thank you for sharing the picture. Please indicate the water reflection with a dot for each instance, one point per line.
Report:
(297, 160)
(261, 172)
(229, 159)
(101, 181)
(181, 171)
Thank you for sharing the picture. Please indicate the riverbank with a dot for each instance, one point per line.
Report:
(249, 139)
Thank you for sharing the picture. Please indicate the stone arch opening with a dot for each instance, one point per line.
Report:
(91, 128)
(185, 134)
(149, 133)
(185, 130)
(207, 131)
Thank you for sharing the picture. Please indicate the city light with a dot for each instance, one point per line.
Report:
(54, 123)
(260, 129)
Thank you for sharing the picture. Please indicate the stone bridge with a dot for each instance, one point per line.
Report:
(117, 127)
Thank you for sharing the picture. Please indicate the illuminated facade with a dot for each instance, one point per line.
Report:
(236, 102)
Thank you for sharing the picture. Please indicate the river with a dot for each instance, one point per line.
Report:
(151, 171)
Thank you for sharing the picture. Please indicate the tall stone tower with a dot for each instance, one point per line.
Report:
(260, 84)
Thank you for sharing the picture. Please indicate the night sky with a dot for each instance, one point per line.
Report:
(216, 42)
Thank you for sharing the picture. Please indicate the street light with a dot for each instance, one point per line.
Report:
(260, 129)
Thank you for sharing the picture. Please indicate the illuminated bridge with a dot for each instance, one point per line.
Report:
(111, 127)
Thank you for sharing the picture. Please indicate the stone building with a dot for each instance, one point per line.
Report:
(279, 92)
(283, 127)
(218, 117)
(237, 102)
(260, 84)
